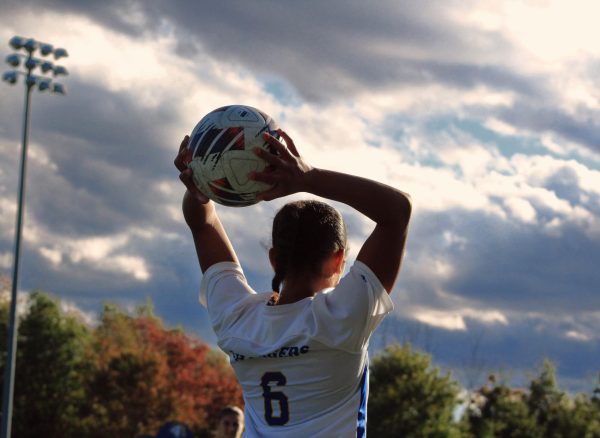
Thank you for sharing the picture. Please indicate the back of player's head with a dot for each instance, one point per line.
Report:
(305, 234)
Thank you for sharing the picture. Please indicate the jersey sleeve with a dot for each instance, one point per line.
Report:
(222, 290)
(347, 315)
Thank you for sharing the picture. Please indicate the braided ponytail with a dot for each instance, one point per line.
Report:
(285, 233)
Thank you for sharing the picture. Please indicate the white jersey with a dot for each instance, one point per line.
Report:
(303, 367)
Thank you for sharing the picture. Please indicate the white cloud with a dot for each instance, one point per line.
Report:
(39, 156)
(487, 316)
(473, 160)
(8, 215)
(500, 127)
(441, 319)
(133, 265)
(94, 248)
(72, 309)
(455, 319)
(107, 253)
(577, 336)
(6, 260)
(576, 21)
(581, 327)
(110, 253)
(521, 209)
(53, 255)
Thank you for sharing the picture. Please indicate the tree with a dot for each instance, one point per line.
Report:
(50, 367)
(408, 398)
(128, 376)
(546, 402)
(146, 375)
(583, 420)
(557, 414)
(542, 410)
(498, 411)
(125, 398)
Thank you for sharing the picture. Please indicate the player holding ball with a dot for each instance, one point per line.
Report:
(300, 353)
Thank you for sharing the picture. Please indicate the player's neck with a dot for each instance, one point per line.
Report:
(298, 288)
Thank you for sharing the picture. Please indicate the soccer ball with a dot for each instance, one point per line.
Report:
(222, 156)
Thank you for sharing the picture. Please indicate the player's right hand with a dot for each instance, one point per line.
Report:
(182, 160)
(286, 169)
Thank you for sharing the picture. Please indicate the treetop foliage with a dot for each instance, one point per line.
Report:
(126, 377)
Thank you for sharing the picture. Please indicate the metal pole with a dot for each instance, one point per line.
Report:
(11, 345)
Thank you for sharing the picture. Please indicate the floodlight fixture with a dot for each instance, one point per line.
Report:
(31, 63)
(30, 45)
(43, 83)
(45, 49)
(17, 42)
(46, 66)
(10, 77)
(60, 70)
(60, 53)
(13, 60)
(31, 80)
(58, 88)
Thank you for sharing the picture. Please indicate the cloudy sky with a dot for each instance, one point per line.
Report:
(486, 112)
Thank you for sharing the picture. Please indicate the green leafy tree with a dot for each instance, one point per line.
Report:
(409, 398)
(49, 374)
(582, 420)
(540, 411)
(497, 411)
(126, 377)
(557, 414)
(546, 402)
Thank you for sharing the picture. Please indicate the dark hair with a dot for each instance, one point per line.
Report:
(305, 234)
(231, 410)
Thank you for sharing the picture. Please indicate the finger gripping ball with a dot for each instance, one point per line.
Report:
(222, 146)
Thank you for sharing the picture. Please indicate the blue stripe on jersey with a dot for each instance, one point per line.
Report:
(361, 425)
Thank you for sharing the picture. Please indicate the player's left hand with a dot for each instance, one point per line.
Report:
(183, 158)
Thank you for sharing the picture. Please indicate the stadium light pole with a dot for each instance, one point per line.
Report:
(44, 83)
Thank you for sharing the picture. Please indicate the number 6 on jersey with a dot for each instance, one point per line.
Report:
(275, 396)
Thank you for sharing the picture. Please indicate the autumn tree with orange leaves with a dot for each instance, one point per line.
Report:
(126, 377)
(147, 375)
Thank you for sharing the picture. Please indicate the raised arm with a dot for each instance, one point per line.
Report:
(210, 239)
(388, 207)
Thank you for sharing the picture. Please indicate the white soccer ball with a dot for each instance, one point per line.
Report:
(222, 156)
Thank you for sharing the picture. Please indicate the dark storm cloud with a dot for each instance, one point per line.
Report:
(112, 13)
(324, 49)
(466, 76)
(327, 51)
(528, 270)
(109, 150)
(583, 127)
(505, 266)
(515, 351)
